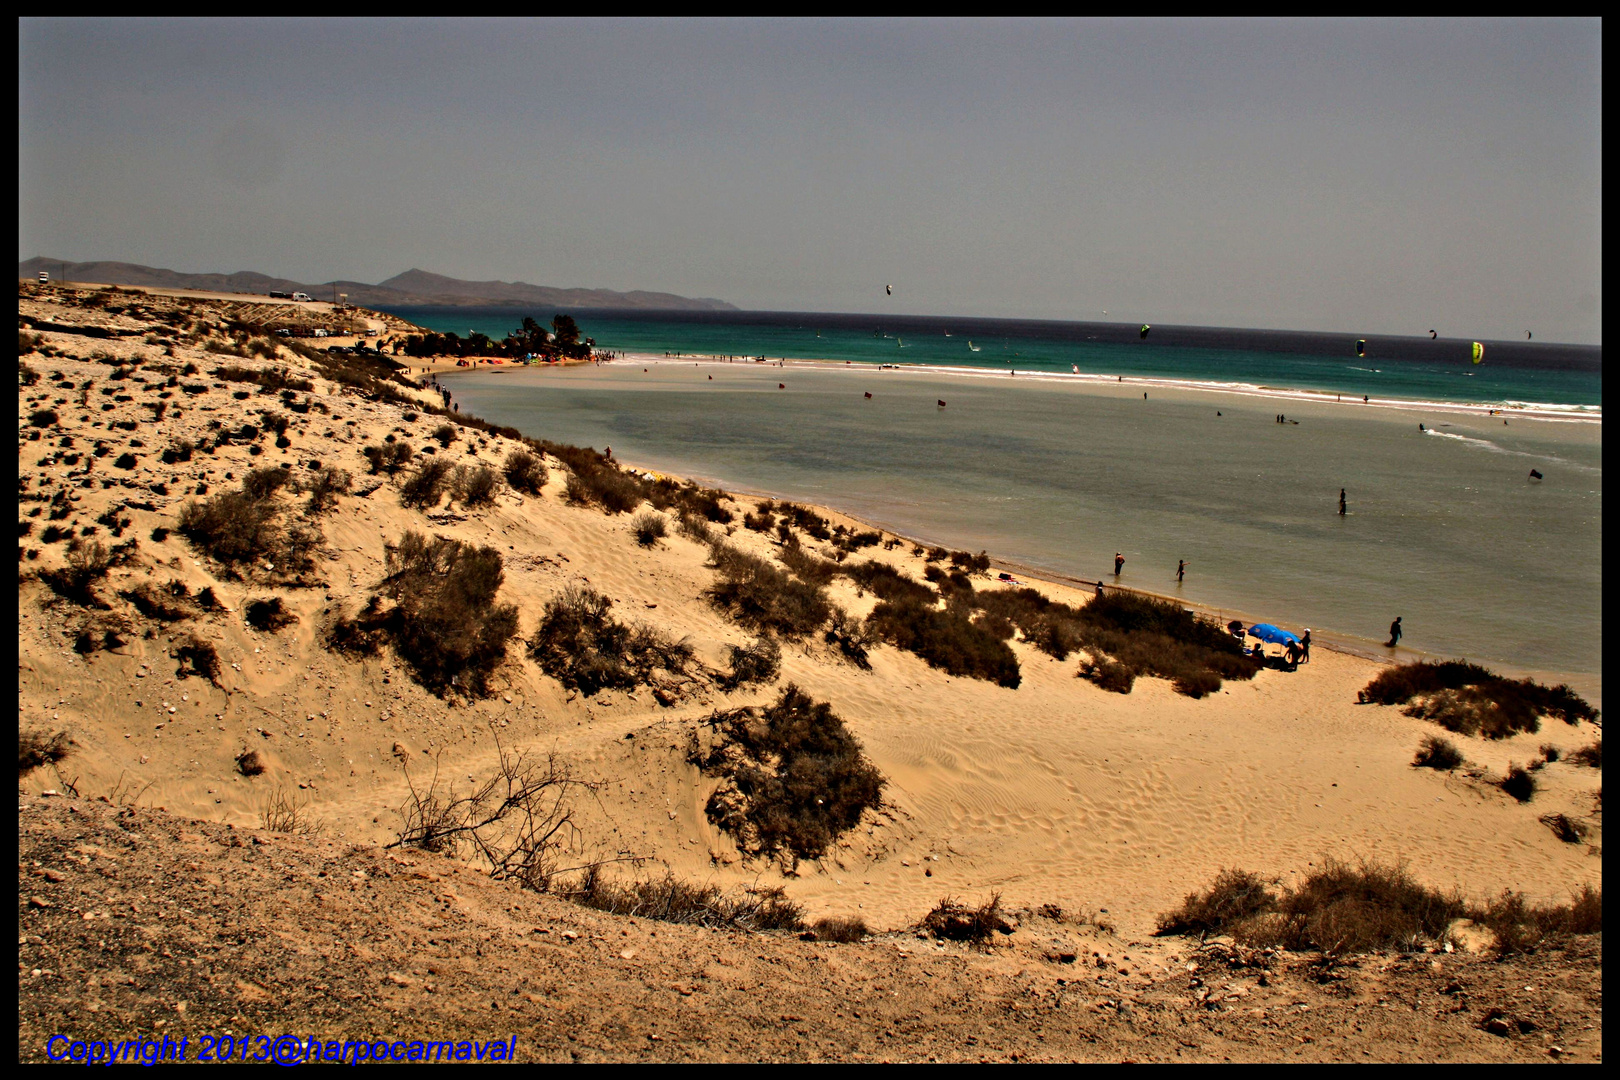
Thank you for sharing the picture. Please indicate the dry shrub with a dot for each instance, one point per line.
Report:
(169, 603)
(1471, 700)
(287, 812)
(324, 488)
(1564, 827)
(1337, 909)
(427, 485)
(525, 472)
(1437, 753)
(1519, 783)
(519, 823)
(197, 657)
(243, 527)
(1235, 896)
(954, 921)
(86, 565)
(359, 635)
(1109, 674)
(946, 640)
(388, 458)
(674, 901)
(852, 637)
(445, 623)
(1589, 756)
(1519, 927)
(477, 487)
(764, 599)
(811, 569)
(793, 779)
(759, 662)
(445, 434)
(249, 763)
(649, 527)
(581, 646)
(269, 615)
(693, 527)
(887, 583)
(842, 929)
(576, 490)
(36, 748)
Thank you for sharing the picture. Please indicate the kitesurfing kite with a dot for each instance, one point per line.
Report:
(1479, 352)
(1361, 347)
(889, 289)
(1528, 335)
(1432, 335)
(1145, 329)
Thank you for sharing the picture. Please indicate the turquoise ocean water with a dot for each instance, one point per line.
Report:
(1058, 472)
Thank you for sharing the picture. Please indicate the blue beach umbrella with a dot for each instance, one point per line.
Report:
(1268, 633)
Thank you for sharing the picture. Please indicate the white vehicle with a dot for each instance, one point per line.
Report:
(302, 296)
(44, 277)
(320, 333)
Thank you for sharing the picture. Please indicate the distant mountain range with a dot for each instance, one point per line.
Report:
(412, 288)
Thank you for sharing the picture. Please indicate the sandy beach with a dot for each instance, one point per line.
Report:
(1054, 793)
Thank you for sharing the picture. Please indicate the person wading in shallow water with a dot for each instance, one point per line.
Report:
(1394, 633)
(1119, 563)
(1181, 569)
(1341, 502)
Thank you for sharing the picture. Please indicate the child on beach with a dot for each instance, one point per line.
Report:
(1305, 646)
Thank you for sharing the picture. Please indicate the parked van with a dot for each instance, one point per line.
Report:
(302, 296)
(319, 332)
(44, 277)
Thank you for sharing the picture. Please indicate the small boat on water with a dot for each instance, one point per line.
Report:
(972, 347)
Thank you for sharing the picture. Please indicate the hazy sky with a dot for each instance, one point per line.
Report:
(1357, 176)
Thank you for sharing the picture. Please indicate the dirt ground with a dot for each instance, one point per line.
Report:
(135, 924)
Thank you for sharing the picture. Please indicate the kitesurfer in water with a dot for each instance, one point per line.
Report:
(1341, 502)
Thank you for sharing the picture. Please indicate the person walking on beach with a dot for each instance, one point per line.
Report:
(1119, 563)
(1341, 502)
(1305, 646)
(1394, 633)
(1181, 569)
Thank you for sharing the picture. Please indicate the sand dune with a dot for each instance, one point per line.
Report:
(1056, 792)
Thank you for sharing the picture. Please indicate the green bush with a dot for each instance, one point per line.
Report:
(1471, 700)
(764, 599)
(947, 641)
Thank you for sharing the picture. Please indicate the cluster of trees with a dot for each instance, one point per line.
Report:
(531, 339)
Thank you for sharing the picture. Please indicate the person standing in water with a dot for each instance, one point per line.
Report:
(1341, 502)
(1119, 563)
(1394, 633)
(1181, 569)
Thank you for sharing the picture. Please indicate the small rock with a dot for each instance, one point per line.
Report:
(1498, 1026)
(53, 876)
(628, 954)
(397, 979)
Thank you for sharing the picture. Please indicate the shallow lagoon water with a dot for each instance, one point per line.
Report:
(1445, 527)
